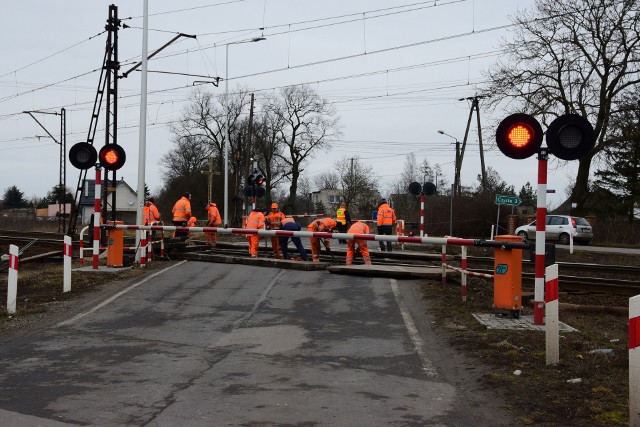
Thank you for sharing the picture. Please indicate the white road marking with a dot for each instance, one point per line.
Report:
(112, 298)
(413, 331)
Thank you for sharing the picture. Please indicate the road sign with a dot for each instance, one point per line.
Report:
(508, 200)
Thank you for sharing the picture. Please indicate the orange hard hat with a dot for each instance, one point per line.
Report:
(274, 206)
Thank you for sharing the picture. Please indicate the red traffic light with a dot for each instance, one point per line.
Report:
(83, 155)
(260, 180)
(519, 136)
(112, 157)
(570, 137)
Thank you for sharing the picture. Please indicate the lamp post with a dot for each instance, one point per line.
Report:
(456, 179)
(228, 136)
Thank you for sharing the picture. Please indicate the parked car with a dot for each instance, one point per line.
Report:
(560, 228)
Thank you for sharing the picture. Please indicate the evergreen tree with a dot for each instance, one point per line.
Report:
(14, 198)
(621, 172)
(528, 195)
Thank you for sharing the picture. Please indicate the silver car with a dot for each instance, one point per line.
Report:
(560, 228)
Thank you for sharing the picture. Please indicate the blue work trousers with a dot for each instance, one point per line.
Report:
(292, 226)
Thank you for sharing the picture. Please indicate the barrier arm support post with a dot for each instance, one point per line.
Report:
(463, 273)
(444, 266)
(66, 281)
(552, 323)
(12, 279)
(541, 219)
(634, 361)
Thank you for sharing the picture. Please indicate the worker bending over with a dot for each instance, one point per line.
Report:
(255, 220)
(320, 225)
(214, 220)
(358, 227)
(289, 224)
(274, 222)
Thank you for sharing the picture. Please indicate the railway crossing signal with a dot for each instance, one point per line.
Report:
(569, 137)
(84, 156)
(255, 185)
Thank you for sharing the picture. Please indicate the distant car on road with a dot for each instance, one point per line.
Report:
(560, 228)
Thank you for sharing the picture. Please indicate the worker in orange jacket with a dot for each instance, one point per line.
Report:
(150, 212)
(255, 220)
(274, 222)
(320, 225)
(386, 218)
(358, 227)
(181, 214)
(215, 220)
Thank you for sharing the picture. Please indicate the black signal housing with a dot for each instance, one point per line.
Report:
(112, 157)
(519, 136)
(569, 137)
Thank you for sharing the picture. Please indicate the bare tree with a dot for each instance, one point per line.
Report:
(309, 123)
(571, 56)
(358, 185)
(327, 180)
(267, 148)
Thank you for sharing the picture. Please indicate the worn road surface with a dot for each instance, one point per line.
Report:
(201, 344)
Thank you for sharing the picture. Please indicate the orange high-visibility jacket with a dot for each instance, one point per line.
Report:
(182, 210)
(359, 228)
(150, 214)
(386, 215)
(275, 220)
(192, 221)
(322, 224)
(255, 220)
(214, 215)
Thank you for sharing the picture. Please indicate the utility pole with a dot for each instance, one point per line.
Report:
(248, 157)
(62, 178)
(475, 106)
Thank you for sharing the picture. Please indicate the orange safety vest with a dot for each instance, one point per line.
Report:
(386, 215)
(150, 214)
(275, 220)
(340, 216)
(359, 228)
(255, 220)
(322, 224)
(214, 216)
(182, 210)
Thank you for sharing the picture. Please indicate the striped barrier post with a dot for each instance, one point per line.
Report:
(541, 219)
(463, 264)
(143, 249)
(421, 215)
(66, 281)
(96, 220)
(81, 248)
(552, 322)
(444, 263)
(12, 279)
(634, 361)
(150, 247)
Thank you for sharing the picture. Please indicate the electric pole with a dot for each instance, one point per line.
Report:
(475, 106)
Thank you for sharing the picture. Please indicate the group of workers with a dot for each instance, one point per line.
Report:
(276, 220)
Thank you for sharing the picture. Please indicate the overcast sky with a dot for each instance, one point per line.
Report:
(394, 70)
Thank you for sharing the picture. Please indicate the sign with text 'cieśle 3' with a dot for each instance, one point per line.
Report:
(508, 200)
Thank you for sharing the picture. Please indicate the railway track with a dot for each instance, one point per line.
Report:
(617, 279)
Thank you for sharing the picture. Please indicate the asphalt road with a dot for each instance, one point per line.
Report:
(222, 344)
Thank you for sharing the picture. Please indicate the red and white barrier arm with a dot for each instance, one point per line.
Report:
(469, 273)
(322, 235)
(12, 279)
(81, 245)
(634, 361)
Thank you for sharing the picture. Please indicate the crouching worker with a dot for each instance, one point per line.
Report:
(288, 224)
(320, 225)
(358, 228)
(255, 220)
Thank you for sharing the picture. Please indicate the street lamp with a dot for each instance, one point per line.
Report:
(456, 178)
(228, 139)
